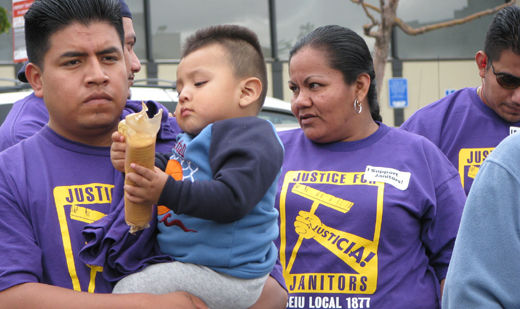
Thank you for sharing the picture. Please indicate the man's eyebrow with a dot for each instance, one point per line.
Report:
(72, 54)
(109, 50)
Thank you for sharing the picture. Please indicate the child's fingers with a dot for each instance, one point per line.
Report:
(118, 137)
(138, 180)
(142, 171)
(132, 197)
(118, 147)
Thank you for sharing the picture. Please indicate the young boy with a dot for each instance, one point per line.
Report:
(218, 219)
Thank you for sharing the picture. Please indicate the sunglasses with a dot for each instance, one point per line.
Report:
(506, 80)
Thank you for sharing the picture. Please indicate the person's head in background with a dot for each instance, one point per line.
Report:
(499, 65)
(221, 75)
(333, 83)
(76, 64)
(132, 61)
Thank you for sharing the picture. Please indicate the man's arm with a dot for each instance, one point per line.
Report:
(38, 295)
(273, 296)
(483, 271)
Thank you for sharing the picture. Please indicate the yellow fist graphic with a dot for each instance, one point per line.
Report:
(306, 224)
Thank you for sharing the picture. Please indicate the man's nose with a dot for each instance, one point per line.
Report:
(96, 73)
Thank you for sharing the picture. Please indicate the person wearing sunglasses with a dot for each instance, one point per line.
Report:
(468, 124)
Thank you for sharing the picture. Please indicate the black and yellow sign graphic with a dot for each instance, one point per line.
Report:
(470, 160)
(359, 253)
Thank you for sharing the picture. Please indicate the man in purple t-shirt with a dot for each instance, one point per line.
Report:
(468, 124)
(60, 179)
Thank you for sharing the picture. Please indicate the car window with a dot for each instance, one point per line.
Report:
(277, 117)
(274, 110)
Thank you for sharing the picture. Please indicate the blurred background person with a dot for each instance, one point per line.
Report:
(468, 124)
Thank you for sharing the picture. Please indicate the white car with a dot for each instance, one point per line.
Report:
(11, 94)
(275, 110)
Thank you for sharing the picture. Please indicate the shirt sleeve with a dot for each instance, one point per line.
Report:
(245, 158)
(440, 231)
(277, 274)
(26, 117)
(484, 269)
(441, 220)
(161, 160)
(421, 123)
(20, 255)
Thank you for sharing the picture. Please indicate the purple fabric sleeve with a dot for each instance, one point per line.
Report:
(26, 117)
(277, 274)
(109, 243)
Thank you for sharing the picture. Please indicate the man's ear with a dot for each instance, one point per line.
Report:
(482, 60)
(250, 88)
(33, 73)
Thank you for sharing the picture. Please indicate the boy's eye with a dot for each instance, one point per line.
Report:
(293, 88)
(198, 84)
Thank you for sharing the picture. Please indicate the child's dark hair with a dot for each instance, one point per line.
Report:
(243, 48)
(348, 53)
(46, 17)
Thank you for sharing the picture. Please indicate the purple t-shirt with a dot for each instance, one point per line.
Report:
(379, 220)
(464, 128)
(50, 188)
(26, 117)
(29, 115)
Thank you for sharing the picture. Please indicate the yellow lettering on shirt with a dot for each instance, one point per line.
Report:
(471, 159)
(69, 198)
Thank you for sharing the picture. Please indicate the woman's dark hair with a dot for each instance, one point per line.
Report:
(347, 53)
(503, 33)
(46, 17)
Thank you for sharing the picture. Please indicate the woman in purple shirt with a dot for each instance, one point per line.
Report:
(368, 213)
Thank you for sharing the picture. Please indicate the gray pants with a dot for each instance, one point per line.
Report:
(215, 289)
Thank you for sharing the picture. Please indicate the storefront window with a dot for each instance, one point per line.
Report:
(295, 18)
(136, 7)
(457, 42)
(174, 21)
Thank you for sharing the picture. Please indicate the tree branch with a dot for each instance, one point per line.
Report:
(415, 31)
(370, 6)
(367, 29)
(365, 8)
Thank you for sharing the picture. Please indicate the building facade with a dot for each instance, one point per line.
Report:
(434, 63)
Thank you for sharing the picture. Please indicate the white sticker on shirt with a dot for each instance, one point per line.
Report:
(513, 130)
(391, 176)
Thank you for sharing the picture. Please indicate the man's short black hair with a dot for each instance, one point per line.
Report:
(46, 17)
(503, 33)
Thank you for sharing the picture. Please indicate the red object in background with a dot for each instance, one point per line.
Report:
(19, 8)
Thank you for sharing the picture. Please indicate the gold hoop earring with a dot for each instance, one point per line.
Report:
(357, 106)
